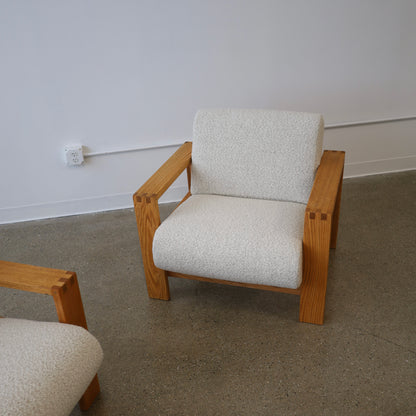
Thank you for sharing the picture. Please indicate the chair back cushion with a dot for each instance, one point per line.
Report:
(263, 154)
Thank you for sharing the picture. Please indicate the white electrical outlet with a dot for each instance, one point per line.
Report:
(74, 155)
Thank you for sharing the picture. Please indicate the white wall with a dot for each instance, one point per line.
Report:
(122, 74)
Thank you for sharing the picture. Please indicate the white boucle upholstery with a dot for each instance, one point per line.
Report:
(236, 239)
(45, 367)
(263, 154)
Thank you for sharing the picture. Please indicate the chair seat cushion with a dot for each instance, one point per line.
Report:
(236, 239)
(45, 367)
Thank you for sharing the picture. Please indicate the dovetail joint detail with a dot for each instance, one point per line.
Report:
(321, 215)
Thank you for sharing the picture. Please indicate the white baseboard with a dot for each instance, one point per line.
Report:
(174, 194)
(376, 167)
(80, 206)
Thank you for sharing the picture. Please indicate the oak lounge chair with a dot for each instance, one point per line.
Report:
(47, 367)
(259, 212)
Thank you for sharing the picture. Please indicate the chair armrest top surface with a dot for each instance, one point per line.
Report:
(160, 181)
(32, 278)
(325, 187)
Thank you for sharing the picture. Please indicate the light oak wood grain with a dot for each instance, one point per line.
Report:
(148, 219)
(30, 278)
(160, 181)
(68, 302)
(323, 198)
(320, 231)
(316, 238)
(90, 394)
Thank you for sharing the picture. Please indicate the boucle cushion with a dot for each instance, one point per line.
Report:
(236, 239)
(45, 367)
(263, 154)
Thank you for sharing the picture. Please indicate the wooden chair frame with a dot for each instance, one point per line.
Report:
(320, 230)
(63, 286)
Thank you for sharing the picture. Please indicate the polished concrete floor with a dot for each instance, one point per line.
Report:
(222, 350)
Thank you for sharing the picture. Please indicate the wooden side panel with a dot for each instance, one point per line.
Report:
(316, 239)
(148, 219)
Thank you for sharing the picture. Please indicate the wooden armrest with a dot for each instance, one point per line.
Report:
(325, 187)
(160, 181)
(31, 278)
(62, 285)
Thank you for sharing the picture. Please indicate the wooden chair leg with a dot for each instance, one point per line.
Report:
(335, 217)
(148, 219)
(90, 394)
(316, 239)
(70, 309)
(68, 302)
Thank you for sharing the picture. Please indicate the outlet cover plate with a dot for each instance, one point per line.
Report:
(74, 155)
